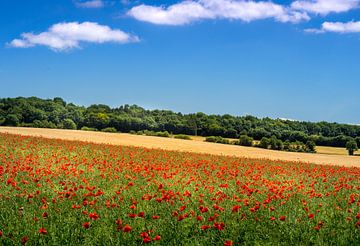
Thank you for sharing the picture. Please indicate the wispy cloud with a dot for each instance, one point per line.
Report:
(324, 7)
(188, 11)
(338, 27)
(65, 36)
(90, 4)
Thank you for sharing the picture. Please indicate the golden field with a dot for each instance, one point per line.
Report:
(325, 155)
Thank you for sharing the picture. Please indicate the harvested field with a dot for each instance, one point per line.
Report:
(183, 145)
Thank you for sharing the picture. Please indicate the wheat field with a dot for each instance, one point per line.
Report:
(188, 146)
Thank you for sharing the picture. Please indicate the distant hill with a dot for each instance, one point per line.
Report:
(56, 113)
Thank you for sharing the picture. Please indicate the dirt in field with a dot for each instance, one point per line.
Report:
(184, 145)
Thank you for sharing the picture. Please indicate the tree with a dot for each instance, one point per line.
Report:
(68, 124)
(11, 120)
(351, 147)
(310, 146)
(276, 144)
(264, 143)
(245, 140)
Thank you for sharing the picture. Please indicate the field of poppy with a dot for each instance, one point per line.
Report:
(56, 192)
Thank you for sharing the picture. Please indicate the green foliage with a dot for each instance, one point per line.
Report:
(217, 139)
(164, 134)
(22, 111)
(310, 145)
(85, 128)
(264, 143)
(43, 124)
(351, 147)
(182, 136)
(109, 129)
(245, 140)
(68, 124)
(11, 120)
(276, 144)
(357, 139)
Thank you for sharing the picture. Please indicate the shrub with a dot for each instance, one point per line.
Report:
(276, 144)
(217, 139)
(85, 128)
(211, 139)
(164, 134)
(182, 136)
(68, 124)
(351, 147)
(43, 124)
(310, 146)
(264, 143)
(133, 132)
(245, 140)
(11, 120)
(109, 129)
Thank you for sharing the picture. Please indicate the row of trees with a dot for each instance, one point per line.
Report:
(56, 113)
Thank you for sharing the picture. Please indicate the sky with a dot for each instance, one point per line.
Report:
(280, 59)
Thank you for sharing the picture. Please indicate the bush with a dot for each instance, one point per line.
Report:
(164, 134)
(109, 129)
(182, 136)
(217, 139)
(245, 140)
(351, 147)
(43, 124)
(310, 146)
(11, 120)
(133, 132)
(276, 144)
(264, 143)
(68, 124)
(85, 128)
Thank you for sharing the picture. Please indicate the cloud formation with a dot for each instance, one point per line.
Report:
(90, 4)
(324, 7)
(65, 36)
(338, 27)
(189, 11)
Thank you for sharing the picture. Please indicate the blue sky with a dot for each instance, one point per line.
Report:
(286, 59)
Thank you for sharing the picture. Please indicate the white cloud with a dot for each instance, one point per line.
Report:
(65, 36)
(90, 4)
(338, 27)
(325, 7)
(189, 11)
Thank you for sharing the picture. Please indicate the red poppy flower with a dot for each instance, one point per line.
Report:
(228, 243)
(157, 238)
(282, 218)
(86, 225)
(94, 216)
(310, 216)
(24, 240)
(127, 228)
(205, 227)
(42, 231)
(147, 240)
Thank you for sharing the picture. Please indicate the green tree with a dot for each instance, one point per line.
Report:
(11, 120)
(245, 140)
(310, 146)
(68, 124)
(351, 147)
(264, 143)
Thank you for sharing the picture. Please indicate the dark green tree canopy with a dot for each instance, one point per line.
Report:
(56, 113)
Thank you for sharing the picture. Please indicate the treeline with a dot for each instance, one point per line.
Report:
(56, 113)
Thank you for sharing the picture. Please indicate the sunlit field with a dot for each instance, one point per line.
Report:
(57, 192)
